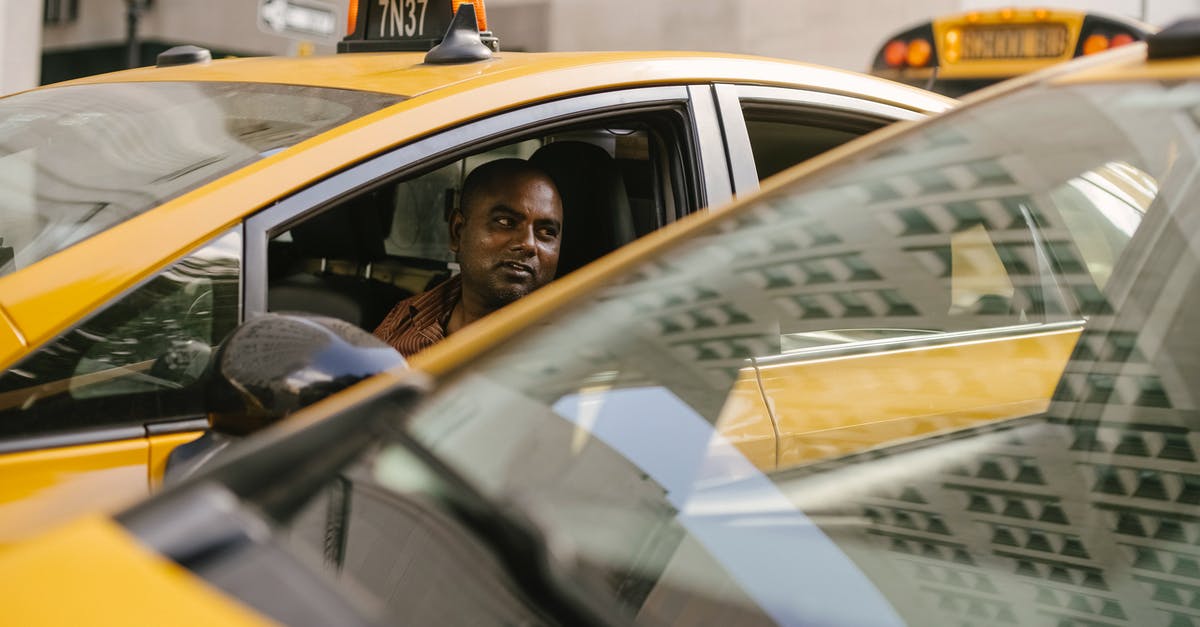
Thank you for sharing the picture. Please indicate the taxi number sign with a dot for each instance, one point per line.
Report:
(1014, 42)
(408, 19)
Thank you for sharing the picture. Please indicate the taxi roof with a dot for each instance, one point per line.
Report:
(407, 74)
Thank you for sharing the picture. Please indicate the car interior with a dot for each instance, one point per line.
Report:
(359, 256)
(782, 135)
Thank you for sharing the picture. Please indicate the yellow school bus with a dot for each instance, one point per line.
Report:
(956, 54)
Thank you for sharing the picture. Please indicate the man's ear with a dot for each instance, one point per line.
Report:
(456, 225)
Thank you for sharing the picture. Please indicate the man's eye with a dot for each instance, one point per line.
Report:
(506, 222)
(549, 232)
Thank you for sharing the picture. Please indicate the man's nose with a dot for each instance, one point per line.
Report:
(524, 240)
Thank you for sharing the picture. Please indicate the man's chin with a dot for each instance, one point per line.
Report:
(509, 294)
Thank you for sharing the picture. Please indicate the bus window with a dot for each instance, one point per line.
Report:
(959, 53)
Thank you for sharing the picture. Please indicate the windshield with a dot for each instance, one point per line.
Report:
(77, 160)
(811, 412)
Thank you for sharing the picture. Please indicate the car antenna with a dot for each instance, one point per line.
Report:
(462, 43)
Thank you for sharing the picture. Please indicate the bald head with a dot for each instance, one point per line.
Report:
(506, 232)
(498, 174)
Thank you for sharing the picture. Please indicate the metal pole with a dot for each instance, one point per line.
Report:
(133, 13)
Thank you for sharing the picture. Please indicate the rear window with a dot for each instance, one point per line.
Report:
(77, 160)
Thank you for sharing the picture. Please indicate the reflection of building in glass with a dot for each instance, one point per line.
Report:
(944, 235)
(1088, 516)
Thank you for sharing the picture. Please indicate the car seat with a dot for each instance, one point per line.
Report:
(332, 255)
(596, 210)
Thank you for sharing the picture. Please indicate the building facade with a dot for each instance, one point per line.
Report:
(80, 37)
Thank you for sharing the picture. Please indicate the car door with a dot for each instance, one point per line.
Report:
(675, 150)
(377, 233)
(938, 267)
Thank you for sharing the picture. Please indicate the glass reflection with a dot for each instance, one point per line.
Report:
(136, 360)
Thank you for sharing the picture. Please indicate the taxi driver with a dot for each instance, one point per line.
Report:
(505, 235)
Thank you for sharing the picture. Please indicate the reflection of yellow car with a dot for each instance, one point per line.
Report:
(824, 404)
(145, 213)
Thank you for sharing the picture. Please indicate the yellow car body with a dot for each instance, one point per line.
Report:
(47, 299)
(116, 572)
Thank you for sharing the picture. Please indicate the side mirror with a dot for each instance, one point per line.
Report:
(275, 364)
(272, 366)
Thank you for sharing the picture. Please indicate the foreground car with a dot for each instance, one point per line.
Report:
(594, 454)
(146, 213)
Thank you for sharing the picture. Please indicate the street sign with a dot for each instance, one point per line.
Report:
(299, 19)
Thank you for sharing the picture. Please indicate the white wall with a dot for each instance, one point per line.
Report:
(1158, 12)
(220, 24)
(20, 44)
(842, 33)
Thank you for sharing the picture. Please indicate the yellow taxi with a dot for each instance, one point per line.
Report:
(146, 213)
(830, 403)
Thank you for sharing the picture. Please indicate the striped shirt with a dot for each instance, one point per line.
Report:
(419, 321)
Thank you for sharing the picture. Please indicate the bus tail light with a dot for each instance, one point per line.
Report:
(912, 48)
(352, 17)
(1120, 39)
(1095, 43)
(1098, 34)
(480, 13)
(919, 52)
(895, 53)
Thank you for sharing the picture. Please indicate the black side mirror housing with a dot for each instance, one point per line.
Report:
(275, 364)
(271, 366)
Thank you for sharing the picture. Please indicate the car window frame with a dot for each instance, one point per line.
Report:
(711, 182)
(730, 98)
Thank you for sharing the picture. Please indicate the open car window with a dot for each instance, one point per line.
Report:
(619, 179)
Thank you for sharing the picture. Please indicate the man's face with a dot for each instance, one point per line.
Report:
(507, 241)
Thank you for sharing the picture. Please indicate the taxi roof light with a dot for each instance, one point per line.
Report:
(352, 17)
(386, 26)
(480, 12)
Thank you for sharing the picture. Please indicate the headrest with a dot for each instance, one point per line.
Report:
(354, 230)
(596, 214)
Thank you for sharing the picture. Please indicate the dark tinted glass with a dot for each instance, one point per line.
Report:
(137, 360)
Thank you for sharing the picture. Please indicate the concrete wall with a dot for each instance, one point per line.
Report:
(20, 44)
(220, 24)
(842, 33)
